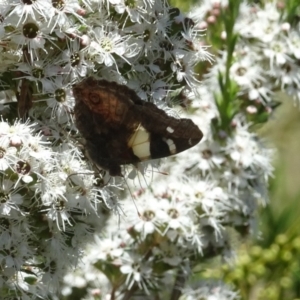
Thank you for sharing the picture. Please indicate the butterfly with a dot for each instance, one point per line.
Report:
(120, 128)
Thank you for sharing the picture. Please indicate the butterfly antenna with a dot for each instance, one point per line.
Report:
(143, 176)
(158, 172)
(162, 173)
(132, 197)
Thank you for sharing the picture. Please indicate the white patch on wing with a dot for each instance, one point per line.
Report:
(140, 143)
(170, 129)
(172, 146)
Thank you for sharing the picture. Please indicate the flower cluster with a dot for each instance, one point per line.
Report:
(264, 58)
(187, 216)
(52, 201)
(43, 202)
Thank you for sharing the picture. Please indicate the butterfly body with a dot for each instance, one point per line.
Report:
(120, 128)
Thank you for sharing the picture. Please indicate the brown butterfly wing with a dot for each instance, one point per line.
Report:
(120, 128)
(103, 119)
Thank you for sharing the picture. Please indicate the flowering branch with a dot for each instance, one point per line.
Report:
(52, 201)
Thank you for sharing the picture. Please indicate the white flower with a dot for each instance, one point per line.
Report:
(21, 151)
(32, 33)
(177, 214)
(246, 73)
(76, 280)
(105, 44)
(106, 249)
(215, 205)
(262, 26)
(60, 100)
(8, 156)
(184, 69)
(277, 52)
(19, 283)
(73, 61)
(52, 187)
(9, 198)
(59, 212)
(211, 156)
(61, 18)
(19, 130)
(138, 271)
(293, 42)
(241, 148)
(32, 9)
(246, 152)
(40, 71)
(170, 253)
(148, 219)
(136, 9)
(209, 290)
(148, 89)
